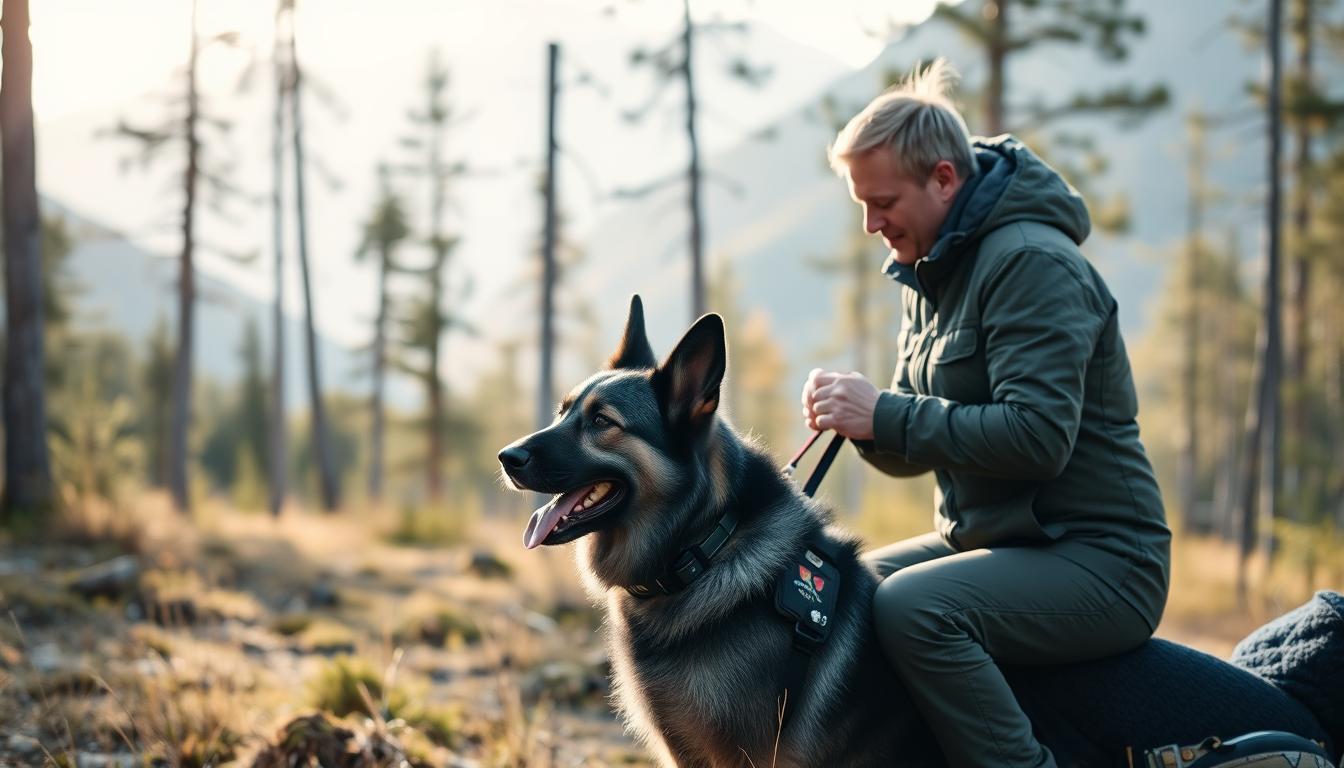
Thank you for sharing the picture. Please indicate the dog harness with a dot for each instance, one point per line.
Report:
(691, 562)
(806, 592)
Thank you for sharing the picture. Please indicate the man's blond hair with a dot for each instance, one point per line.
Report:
(916, 120)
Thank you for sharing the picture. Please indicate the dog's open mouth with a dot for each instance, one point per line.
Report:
(569, 514)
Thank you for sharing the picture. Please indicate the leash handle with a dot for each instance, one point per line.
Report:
(823, 465)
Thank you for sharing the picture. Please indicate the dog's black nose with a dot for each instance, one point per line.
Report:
(514, 457)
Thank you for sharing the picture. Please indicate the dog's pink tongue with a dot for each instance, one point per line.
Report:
(544, 519)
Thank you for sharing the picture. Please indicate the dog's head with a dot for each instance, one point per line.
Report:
(617, 448)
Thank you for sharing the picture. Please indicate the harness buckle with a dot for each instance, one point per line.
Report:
(806, 638)
(689, 566)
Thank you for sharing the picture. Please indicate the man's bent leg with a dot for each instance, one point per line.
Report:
(944, 622)
(905, 553)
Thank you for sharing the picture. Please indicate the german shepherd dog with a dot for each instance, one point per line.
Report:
(642, 466)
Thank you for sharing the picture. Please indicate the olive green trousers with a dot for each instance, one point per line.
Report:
(945, 617)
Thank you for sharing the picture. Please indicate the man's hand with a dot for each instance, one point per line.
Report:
(844, 402)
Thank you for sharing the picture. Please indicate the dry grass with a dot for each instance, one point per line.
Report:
(472, 684)
(217, 687)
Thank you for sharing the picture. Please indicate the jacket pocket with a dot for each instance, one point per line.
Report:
(956, 344)
(954, 370)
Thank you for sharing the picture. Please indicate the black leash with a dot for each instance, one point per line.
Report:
(823, 465)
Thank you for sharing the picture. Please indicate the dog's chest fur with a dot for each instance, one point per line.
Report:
(709, 698)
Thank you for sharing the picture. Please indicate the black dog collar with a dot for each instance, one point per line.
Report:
(691, 562)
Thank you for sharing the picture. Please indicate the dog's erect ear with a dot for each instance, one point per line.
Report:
(688, 382)
(634, 350)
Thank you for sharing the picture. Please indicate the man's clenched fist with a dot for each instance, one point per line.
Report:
(844, 402)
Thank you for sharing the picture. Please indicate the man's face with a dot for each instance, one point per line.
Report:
(907, 212)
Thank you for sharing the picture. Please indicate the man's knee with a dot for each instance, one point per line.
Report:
(909, 616)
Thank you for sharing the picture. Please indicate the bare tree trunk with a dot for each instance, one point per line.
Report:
(996, 11)
(1262, 444)
(1249, 454)
(28, 484)
(321, 445)
(178, 447)
(1271, 448)
(379, 372)
(1297, 347)
(1224, 398)
(434, 384)
(1188, 461)
(438, 199)
(279, 416)
(545, 379)
(693, 174)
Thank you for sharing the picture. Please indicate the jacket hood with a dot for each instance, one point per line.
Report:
(1012, 184)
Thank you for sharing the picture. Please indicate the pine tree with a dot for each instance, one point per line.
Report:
(1263, 428)
(203, 182)
(427, 321)
(155, 388)
(328, 476)
(675, 60)
(279, 437)
(384, 232)
(1310, 113)
(1004, 29)
(253, 415)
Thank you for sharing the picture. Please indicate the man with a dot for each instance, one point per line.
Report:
(1014, 387)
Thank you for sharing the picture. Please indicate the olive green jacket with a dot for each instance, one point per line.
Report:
(1014, 387)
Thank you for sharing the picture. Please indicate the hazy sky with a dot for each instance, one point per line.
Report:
(137, 42)
(98, 61)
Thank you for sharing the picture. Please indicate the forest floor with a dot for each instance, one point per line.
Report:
(238, 639)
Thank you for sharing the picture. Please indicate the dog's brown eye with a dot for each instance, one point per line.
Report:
(602, 422)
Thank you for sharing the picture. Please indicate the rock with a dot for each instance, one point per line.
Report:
(481, 670)
(483, 563)
(96, 760)
(539, 623)
(147, 668)
(18, 565)
(566, 681)
(314, 740)
(334, 648)
(22, 745)
(173, 612)
(111, 579)
(46, 658)
(321, 595)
